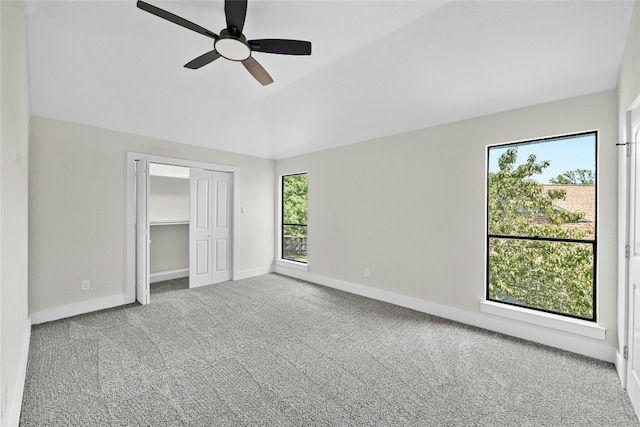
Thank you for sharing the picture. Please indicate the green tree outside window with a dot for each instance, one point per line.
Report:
(294, 217)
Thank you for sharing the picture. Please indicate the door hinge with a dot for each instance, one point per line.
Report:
(628, 149)
(625, 352)
(627, 251)
(139, 169)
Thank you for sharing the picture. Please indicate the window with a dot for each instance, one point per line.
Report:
(541, 225)
(294, 217)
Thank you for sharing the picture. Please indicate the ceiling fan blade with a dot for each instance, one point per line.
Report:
(281, 46)
(176, 19)
(203, 60)
(236, 12)
(257, 71)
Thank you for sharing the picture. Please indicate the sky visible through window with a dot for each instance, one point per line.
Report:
(565, 154)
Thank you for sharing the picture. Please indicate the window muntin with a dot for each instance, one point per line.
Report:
(541, 225)
(294, 217)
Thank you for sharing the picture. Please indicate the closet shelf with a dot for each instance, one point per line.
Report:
(168, 221)
(168, 175)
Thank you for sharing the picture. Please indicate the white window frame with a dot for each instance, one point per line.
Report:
(558, 322)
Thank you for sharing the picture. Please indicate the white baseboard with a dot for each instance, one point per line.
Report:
(16, 404)
(70, 310)
(576, 344)
(168, 275)
(245, 274)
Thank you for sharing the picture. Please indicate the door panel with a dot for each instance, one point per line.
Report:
(221, 230)
(635, 360)
(633, 376)
(222, 205)
(210, 227)
(202, 201)
(200, 230)
(202, 257)
(221, 255)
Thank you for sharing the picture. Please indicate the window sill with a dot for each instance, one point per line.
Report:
(549, 320)
(292, 264)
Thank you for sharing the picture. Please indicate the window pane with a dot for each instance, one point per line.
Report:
(552, 276)
(294, 217)
(294, 199)
(545, 188)
(294, 243)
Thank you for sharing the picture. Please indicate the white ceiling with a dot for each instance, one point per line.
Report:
(378, 67)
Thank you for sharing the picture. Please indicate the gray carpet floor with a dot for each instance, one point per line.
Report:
(274, 351)
(168, 286)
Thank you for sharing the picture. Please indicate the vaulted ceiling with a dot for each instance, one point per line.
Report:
(378, 67)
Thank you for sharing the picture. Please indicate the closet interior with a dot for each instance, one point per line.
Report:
(169, 191)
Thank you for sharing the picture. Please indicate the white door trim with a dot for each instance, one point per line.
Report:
(629, 180)
(624, 230)
(142, 232)
(131, 211)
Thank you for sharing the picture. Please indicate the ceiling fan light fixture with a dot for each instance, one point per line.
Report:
(232, 48)
(231, 43)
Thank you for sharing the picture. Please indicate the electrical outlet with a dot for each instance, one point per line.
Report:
(366, 272)
(86, 285)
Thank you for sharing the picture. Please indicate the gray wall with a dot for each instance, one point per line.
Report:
(77, 216)
(169, 248)
(14, 161)
(629, 80)
(411, 207)
(168, 198)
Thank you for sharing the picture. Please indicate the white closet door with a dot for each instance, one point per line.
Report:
(209, 228)
(142, 231)
(200, 228)
(221, 223)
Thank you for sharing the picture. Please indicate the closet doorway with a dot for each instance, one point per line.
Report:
(181, 224)
(169, 196)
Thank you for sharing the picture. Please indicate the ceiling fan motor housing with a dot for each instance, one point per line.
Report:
(234, 48)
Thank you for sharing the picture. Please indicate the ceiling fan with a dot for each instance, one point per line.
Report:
(231, 43)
